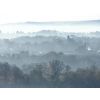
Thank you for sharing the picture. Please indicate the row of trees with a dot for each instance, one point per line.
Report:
(53, 74)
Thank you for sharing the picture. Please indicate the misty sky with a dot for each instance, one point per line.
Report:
(48, 10)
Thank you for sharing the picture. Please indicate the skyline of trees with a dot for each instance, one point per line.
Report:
(55, 74)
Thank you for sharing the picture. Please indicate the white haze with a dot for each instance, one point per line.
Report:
(38, 27)
(15, 30)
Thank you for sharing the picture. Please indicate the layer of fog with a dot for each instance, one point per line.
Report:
(33, 29)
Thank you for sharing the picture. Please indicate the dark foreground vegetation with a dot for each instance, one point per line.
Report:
(54, 74)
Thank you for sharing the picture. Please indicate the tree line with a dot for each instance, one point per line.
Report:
(54, 74)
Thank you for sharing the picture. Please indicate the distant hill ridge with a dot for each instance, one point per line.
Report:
(58, 22)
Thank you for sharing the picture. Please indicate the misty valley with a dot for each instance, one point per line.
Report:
(50, 58)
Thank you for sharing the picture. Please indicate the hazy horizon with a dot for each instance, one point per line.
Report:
(52, 21)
